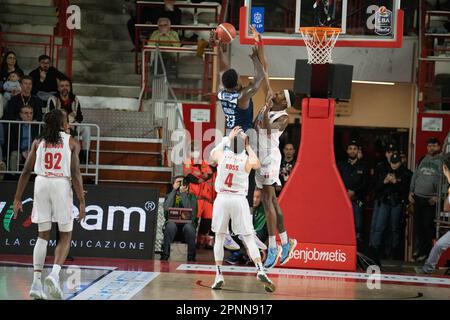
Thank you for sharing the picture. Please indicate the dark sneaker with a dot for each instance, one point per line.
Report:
(234, 258)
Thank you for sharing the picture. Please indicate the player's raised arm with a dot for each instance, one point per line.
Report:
(217, 152)
(252, 161)
(77, 180)
(224, 63)
(262, 57)
(24, 178)
(249, 91)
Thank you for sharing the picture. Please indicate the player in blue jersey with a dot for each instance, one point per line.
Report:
(233, 96)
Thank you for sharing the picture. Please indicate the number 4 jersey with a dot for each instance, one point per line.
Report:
(53, 160)
(231, 175)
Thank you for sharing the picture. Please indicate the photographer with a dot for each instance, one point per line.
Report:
(391, 190)
(180, 197)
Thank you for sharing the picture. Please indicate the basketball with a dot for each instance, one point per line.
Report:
(382, 9)
(225, 32)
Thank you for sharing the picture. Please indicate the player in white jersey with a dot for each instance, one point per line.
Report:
(54, 158)
(233, 168)
(270, 124)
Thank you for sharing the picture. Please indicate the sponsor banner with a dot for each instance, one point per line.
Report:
(120, 223)
(323, 256)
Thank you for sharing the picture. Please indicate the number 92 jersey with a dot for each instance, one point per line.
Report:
(54, 160)
(231, 175)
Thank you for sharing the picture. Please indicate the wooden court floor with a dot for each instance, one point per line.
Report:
(113, 279)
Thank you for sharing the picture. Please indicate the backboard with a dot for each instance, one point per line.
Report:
(363, 23)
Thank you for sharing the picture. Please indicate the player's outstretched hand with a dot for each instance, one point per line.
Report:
(82, 213)
(234, 132)
(17, 207)
(255, 33)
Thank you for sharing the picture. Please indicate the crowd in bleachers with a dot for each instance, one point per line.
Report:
(27, 98)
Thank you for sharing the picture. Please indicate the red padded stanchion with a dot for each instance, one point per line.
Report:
(316, 208)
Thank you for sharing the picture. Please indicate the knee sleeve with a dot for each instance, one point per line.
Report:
(218, 246)
(250, 243)
(66, 227)
(44, 226)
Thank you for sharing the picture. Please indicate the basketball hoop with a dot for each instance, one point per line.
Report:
(319, 42)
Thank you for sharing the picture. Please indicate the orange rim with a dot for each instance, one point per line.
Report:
(320, 31)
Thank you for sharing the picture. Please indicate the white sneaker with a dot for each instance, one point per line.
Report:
(53, 287)
(268, 284)
(261, 245)
(218, 283)
(37, 291)
(230, 244)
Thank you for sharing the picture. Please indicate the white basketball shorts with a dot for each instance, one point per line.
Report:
(53, 201)
(269, 173)
(234, 207)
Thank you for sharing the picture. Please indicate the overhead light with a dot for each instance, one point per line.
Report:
(354, 81)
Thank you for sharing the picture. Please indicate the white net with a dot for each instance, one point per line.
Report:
(320, 43)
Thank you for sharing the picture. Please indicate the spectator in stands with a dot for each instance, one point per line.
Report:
(45, 79)
(164, 36)
(24, 98)
(180, 197)
(202, 177)
(424, 195)
(11, 87)
(260, 226)
(152, 15)
(20, 146)
(354, 175)
(391, 191)
(66, 100)
(444, 242)
(287, 163)
(9, 65)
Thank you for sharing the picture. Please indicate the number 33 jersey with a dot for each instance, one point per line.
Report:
(231, 175)
(53, 160)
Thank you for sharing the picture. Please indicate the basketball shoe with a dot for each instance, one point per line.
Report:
(53, 288)
(268, 284)
(37, 291)
(261, 245)
(218, 282)
(286, 251)
(273, 254)
(230, 244)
